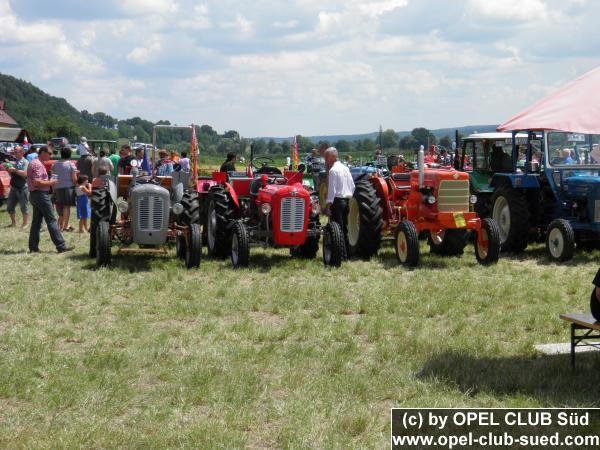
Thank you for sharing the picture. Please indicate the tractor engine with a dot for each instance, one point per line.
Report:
(441, 191)
(583, 197)
(286, 209)
(149, 206)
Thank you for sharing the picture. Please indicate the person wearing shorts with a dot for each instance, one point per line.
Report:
(66, 175)
(19, 194)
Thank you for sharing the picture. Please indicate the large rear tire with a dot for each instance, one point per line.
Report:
(511, 213)
(220, 215)
(487, 249)
(240, 246)
(193, 251)
(191, 208)
(333, 245)
(365, 220)
(100, 212)
(103, 244)
(407, 244)
(560, 240)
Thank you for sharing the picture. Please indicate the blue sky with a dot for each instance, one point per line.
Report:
(267, 67)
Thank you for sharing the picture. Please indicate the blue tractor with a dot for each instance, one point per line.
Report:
(552, 191)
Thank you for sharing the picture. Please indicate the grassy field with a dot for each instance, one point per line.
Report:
(283, 354)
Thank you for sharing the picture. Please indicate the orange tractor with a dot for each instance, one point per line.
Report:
(404, 204)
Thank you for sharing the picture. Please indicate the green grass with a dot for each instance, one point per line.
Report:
(284, 354)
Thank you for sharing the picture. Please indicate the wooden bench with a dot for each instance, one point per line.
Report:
(582, 330)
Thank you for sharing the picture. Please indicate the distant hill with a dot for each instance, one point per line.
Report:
(43, 115)
(438, 133)
(32, 108)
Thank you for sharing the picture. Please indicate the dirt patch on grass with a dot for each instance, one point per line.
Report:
(266, 318)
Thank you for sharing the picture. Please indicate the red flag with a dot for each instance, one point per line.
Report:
(295, 163)
(193, 154)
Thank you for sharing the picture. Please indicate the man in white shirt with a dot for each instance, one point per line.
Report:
(340, 188)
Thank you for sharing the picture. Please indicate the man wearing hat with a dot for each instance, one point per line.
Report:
(85, 162)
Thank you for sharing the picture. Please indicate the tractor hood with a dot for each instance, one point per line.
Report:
(582, 186)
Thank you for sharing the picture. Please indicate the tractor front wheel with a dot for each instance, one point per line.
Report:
(103, 243)
(240, 246)
(487, 243)
(100, 212)
(407, 244)
(180, 247)
(560, 240)
(193, 250)
(333, 245)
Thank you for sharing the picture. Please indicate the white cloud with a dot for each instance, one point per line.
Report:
(525, 10)
(146, 54)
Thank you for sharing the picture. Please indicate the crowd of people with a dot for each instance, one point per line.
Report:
(52, 190)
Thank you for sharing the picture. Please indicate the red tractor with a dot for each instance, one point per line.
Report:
(405, 204)
(260, 207)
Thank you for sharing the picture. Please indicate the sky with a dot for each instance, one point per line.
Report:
(310, 67)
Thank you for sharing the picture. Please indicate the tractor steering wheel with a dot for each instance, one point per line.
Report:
(266, 160)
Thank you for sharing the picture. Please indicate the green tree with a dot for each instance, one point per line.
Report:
(423, 136)
(389, 139)
(62, 127)
(446, 142)
(343, 146)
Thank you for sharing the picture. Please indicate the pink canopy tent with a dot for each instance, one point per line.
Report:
(574, 108)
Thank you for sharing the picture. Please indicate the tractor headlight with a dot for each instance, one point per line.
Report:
(177, 208)
(431, 200)
(123, 206)
(473, 199)
(265, 208)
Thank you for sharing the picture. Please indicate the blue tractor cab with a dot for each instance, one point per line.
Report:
(552, 191)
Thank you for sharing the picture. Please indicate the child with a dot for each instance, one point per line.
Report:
(83, 190)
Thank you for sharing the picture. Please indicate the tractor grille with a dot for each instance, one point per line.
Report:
(151, 213)
(453, 196)
(292, 215)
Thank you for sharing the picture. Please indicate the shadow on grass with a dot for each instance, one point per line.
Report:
(265, 262)
(131, 263)
(540, 257)
(5, 252)
(389, 261)
(549, 379)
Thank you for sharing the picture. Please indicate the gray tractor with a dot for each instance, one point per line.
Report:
(144, 210)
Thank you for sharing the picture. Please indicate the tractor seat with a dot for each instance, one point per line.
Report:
(401, 176)
(255, 186)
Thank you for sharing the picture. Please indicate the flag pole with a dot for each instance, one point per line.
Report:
(193, 151)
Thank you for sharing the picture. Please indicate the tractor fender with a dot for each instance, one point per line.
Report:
(112, 190)
(177, 193)
(517, 181)
(229, 188)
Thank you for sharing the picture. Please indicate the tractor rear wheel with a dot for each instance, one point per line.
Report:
(103, 243)
(240, 245)
(511, 213)
(560, 240)
(451, 242)
(333, 245)
(191, 208)
(193, 250)
(407, 244)
(100, 212)
(487, 249)
(364, 220)
(221, 213)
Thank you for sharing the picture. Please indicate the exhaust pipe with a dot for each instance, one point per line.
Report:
(421, 164)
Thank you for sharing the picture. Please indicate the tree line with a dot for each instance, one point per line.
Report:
(45, 116)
